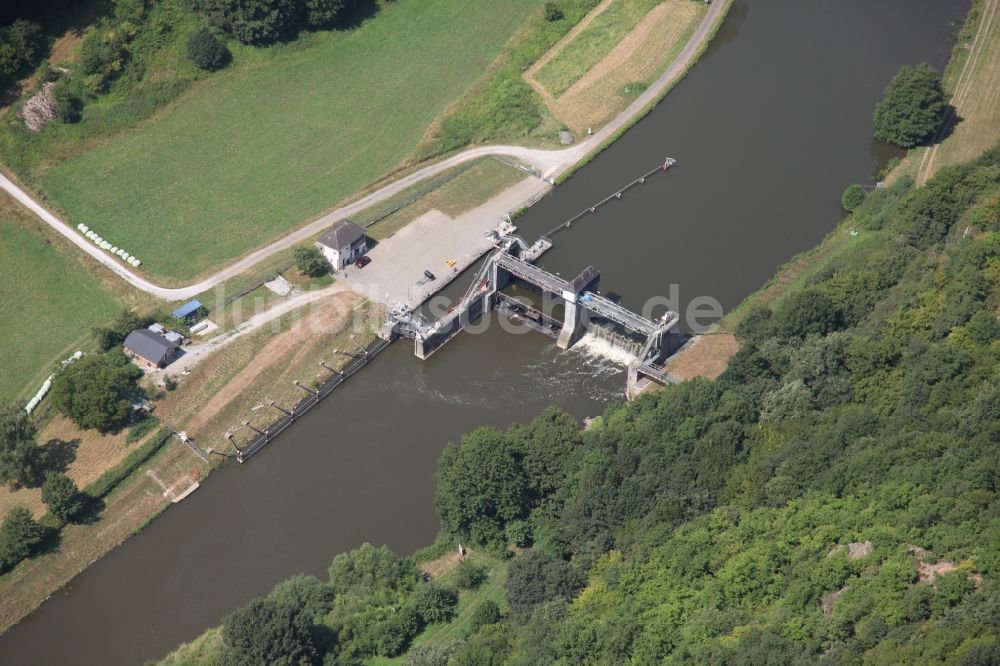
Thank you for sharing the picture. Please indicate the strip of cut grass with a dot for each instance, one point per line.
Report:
(256, 150)
(465, 192)
(48, 304)
(592, 44)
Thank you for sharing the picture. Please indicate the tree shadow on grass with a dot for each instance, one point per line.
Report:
(950, 122)
(59, 454)
(359, 13)
(51, 540)
(91, 512)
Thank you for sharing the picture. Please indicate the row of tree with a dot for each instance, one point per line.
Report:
(264, 22)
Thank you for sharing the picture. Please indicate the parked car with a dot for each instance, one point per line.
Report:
(362, 261)
(429, 275)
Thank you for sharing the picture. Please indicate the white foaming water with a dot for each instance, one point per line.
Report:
(592, 345)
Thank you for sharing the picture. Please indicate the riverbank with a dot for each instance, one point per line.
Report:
(359, 464)
(227, 393)
(972, 76)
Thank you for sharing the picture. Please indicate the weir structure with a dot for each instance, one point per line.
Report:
(582, 307)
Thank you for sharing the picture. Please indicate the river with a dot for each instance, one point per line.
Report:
(767, 129)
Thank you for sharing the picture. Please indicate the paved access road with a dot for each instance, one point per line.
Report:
(550, 163)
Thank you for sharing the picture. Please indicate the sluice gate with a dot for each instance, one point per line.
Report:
(582, 306)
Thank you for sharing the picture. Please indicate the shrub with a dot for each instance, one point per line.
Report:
(113, 335)
(552, 12)
(853, 197)
(67, 103)
(487, 612)
(19, 537)
(912, 108)
(470, 575)
(429, 654)
(62, 496)
(206, 51)
(102, 57)
(310, 261)
(435, 603)
(140, 429)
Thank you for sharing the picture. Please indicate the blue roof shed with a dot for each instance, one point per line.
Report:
(187, 309)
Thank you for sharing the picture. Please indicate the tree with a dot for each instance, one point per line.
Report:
(20, 45)
(481, 486)
(805, 312)
(307, 593)
(552, 12)
(255, 22)
(94, 391)
(21, 458)
(535, 577)
(853, 197)
(266, 632)
(435, 603)
(310, 261)
(19, 536)
(206, 51)
(322, 13)
(62, 496)
(367, 570)
(547, 445)
(912, 108)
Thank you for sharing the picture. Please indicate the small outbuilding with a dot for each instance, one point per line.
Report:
(343, 243)
(150, 350)
(193, 310)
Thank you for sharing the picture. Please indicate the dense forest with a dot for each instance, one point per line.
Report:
(831, 498)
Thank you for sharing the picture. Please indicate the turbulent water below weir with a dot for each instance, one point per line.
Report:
(767, 129)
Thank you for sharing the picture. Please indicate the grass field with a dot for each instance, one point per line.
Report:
(972, 79)
(48, 303)
(256, 150)
(977, 100)
(587, 48)
(616, 72)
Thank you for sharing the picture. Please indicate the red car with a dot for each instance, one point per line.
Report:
(362, 261)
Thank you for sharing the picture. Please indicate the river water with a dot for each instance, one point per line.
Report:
(767, 129)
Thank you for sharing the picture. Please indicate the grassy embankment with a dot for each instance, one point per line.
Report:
(258, 148)
(258, 366)
(623, 46)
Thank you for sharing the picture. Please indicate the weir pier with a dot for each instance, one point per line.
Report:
(570, 309)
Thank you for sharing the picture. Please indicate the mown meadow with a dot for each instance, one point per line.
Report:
(283, 134)
(49, 303)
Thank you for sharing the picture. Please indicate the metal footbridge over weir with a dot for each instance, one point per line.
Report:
(582, 306)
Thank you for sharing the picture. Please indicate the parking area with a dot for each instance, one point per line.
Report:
(437, 243)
